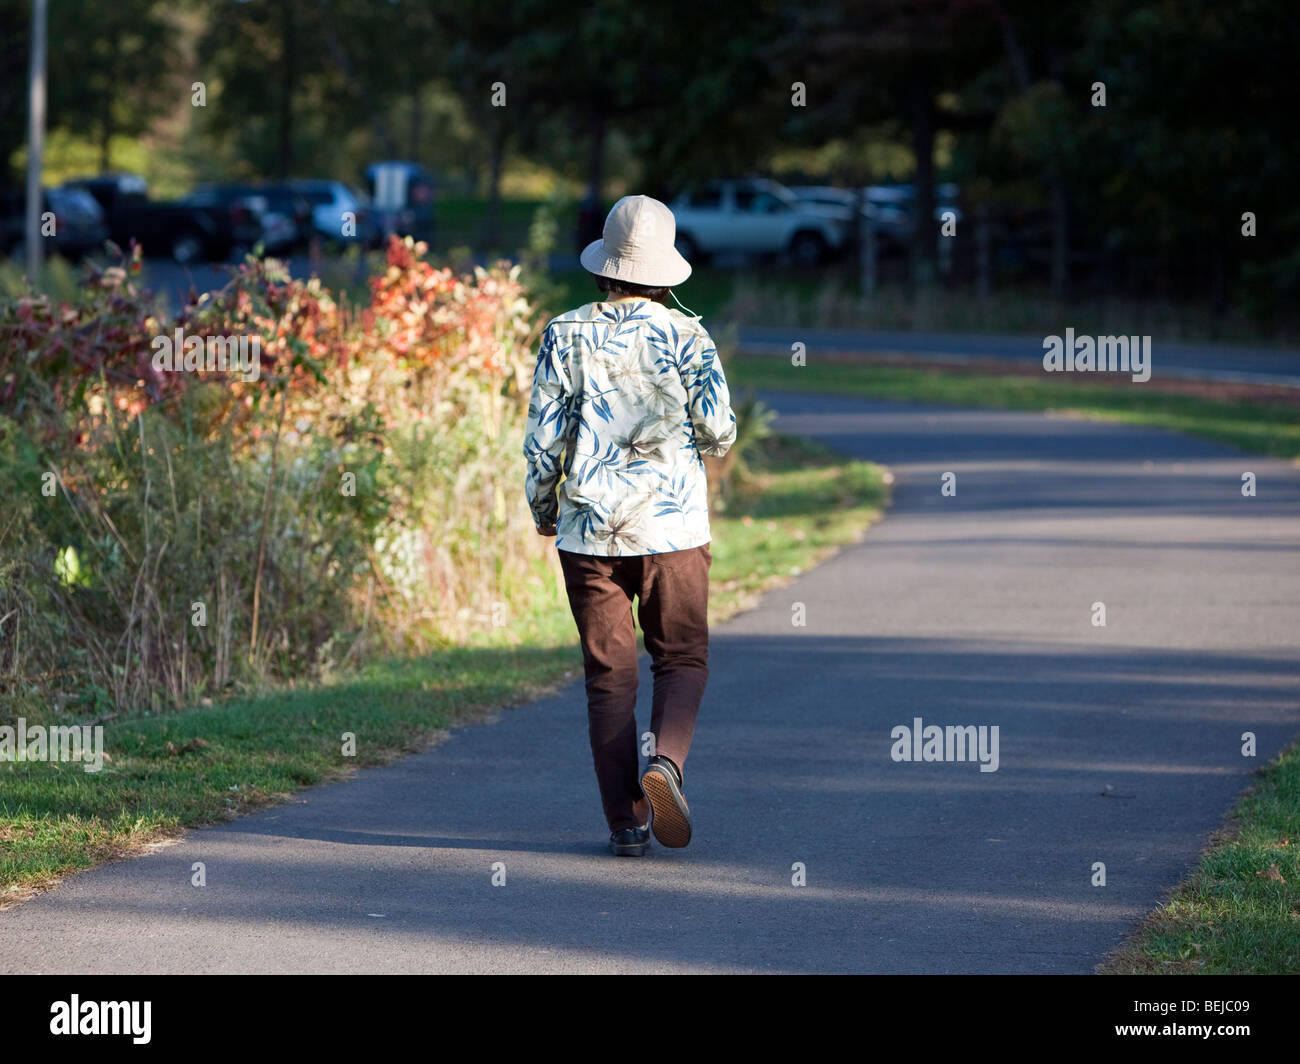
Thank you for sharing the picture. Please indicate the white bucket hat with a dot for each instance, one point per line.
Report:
(638, 245)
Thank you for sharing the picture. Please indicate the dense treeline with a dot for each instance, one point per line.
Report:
(1144, 193)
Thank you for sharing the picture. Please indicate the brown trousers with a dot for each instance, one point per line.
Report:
(672, 590)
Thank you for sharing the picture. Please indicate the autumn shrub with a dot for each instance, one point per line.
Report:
(169, 534)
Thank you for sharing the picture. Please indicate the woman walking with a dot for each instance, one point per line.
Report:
(627, 395)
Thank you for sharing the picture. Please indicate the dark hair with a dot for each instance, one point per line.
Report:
(613, 287)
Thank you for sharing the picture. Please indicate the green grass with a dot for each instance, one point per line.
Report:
(205, 764)
(1016, 305)
(797, 503)
(1256, 427)
(462, 222)
(1239, 911)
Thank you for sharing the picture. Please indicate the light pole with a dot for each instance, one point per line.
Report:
(35, 141)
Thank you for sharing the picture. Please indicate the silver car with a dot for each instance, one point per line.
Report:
(756, 216)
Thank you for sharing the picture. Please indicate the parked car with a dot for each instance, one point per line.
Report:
(285, 215)
(402, 199)
(887, 222)
(186, 232)
(79, 226)
(283, 199)
(756, 216)
(843, 201)
(332, 205)
(896, 206)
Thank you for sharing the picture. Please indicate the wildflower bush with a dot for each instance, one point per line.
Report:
(168, 534)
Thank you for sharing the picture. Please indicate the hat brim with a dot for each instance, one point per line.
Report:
(665, 270)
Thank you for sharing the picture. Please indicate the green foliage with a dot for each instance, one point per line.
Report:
(733, 473)
(543, 235)
(207, 530)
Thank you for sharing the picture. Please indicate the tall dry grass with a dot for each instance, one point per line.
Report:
(362, 494)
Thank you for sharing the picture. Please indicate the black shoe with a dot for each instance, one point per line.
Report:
(670, 816)
(630, 842)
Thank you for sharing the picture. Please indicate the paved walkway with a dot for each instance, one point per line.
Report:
(1118, 744)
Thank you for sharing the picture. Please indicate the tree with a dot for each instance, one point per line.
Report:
(877, 59)
(111, 68)
(15, 41)
(1198, 128)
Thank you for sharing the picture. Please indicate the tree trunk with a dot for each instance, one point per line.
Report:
(417, 122)
(106, 135)
(983, 251)
(870, 251)
(1015, 53)
(1060, 198)
(1218, 287)
(106, 106)
(492, 227)
(285, 160)
(1060, 239)
(923, 235)
(596, 163)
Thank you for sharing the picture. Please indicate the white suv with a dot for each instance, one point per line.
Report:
(756, 216)
(333, 205)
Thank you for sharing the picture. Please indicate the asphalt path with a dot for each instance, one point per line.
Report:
(1118, 745)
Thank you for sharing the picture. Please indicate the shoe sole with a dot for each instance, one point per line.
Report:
(636, 849)
(671, 819)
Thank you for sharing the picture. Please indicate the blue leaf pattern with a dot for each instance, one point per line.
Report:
(626, 397)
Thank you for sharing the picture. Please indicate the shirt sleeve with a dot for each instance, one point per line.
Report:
(708, 399)
(546, 433)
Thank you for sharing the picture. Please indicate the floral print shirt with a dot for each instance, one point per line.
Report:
(626, 397)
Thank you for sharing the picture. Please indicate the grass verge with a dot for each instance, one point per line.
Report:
(796, 505)
(1259, 427)
(1238, 913)
(769, 298)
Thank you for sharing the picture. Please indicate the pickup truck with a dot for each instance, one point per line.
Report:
(756, 216)
(186, 232)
